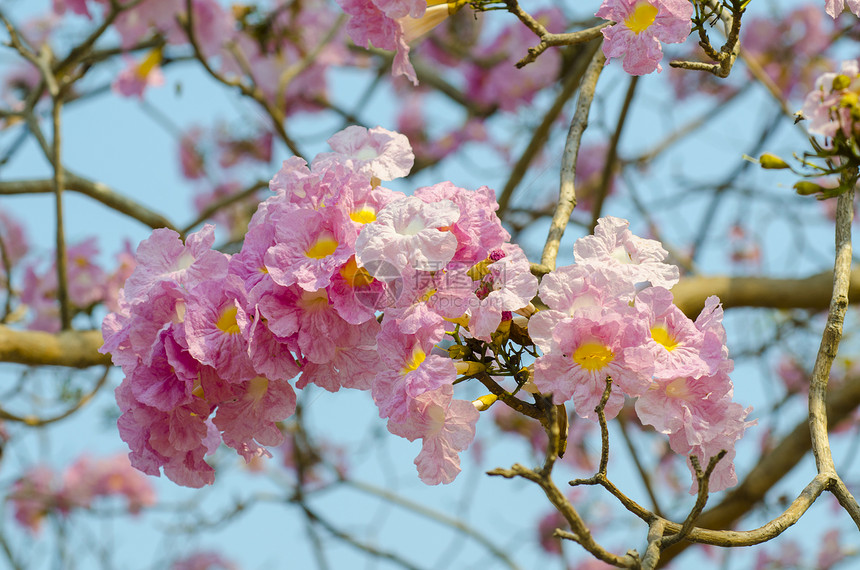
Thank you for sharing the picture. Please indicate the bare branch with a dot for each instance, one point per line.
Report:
(76, 349)
(567, 192)
(97, 191)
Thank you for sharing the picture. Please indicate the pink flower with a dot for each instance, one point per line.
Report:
(504, 85)
(379, 152)
(137, 76)
(445, 426)
(585, 351)
(368, 24)
(507, 286)
(248, 413)
(85, 280)
(310, 246)
(572, 288)
(354, 364)
(33, 497)
(791, 47)
(636, 258)
(204, 560)
(163, 257)
(478, 229)
(41, 492)
(685, 405)
(214, 322)
(87, 479)
(138, 22)
(641, 26)
(835, 7)
(409, 233)
(408, 369)
(823, 105)
(76, 6)
(675, 342)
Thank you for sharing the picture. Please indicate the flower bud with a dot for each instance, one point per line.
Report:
(841, 82)
(456, 351)
(469, 368)
(527, 311)
(805, 188)
(772, 162)
(484, 402)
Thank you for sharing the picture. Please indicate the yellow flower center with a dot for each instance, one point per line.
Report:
(258, 387)
(641, 18)
(363, 215)
(414, 361)
(354, 275)
(227, 320)
(593, 356)
(661, 334)
(323, 247)
(677, 388)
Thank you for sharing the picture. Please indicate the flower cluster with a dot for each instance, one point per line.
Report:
(88, 285)
(611, 315)
(209, 342)
(832, 107)
(39, 493)
(344, 283)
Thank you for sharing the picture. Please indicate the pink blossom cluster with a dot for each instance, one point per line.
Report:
(501, 83)
(40, 491)
(260, 42)
(88, 284)
(791, 48)
(344, 283)
(612, 315)
(832, 107)
(204, 560)
(209, 342)
(641, 26)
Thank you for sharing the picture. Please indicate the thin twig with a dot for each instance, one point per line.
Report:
(97, 191)
(35, 421)
(567, 192)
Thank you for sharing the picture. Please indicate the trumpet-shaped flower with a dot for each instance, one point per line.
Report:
(824, 107)
(163, 257)
(383, 154)
(507, 286)
(408, 370)
(445, 426)
(410, 233)
(478, 229)
(835, 7)
(569, 289)
(214, 323)
(585, 351)
(310, 246)
(641, 26)
(636, 259)
(678, 346)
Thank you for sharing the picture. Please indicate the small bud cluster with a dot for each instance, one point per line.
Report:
(39, 492)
